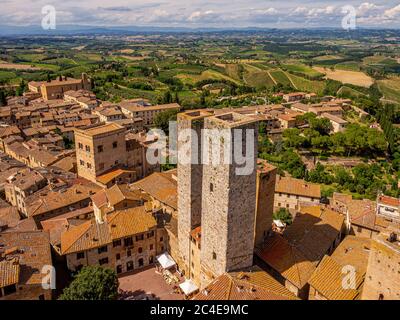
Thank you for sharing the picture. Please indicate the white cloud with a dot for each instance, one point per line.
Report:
(198, 15)
(269, 11)
(220, 13)
(321, 11)
(393, 12)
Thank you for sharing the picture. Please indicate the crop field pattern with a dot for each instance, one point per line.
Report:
(205, 69)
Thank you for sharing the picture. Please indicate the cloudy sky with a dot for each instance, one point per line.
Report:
(203, 13)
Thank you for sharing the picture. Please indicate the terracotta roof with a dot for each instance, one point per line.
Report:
(295, 94)
(361, 212)
(27, 178)
(137, 108)
(334, 118)
(297, 252)
(390, 201)
(102, 129)
(9, 131)
(113, 174)
(9, 216)
(196, 234)
(287, 260)
(289, 117)
(119, 224)
(254, 284)
(56, 200)
(60, 83)
(264, 166)
(297, 187)
(66, 163)
(32, 248)
(328, 277)
(161, 186)
(120, 192)
(9, 272)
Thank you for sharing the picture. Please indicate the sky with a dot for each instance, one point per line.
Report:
(203, 13)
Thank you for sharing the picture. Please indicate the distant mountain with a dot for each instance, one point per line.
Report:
(121, 30)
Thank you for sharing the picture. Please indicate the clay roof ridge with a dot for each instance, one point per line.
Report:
(295, 263)
(84, 230)
(228, 292)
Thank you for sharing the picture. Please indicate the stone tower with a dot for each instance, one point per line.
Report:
(266, 179)
(190, 177)
(229, 198)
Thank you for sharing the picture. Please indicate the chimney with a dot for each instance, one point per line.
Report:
(393, 237)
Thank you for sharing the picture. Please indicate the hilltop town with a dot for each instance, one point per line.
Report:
(77, 190)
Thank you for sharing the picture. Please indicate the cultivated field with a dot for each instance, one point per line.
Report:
(345, 76)
(390, 89)
(14, 66)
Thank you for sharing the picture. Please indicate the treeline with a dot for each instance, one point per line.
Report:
(365, 180)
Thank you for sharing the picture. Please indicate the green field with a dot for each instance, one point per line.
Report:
(390, 89)
(302, 69)
(258, 79)
(348, 66)
(7, 75)
(345, 90)
(308, 85)
(192, 79)
(280, 77)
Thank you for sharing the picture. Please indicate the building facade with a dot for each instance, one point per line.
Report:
(229, 199)
(190, 178)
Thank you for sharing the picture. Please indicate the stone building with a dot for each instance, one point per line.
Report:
(106, 154)
(146, 112)
(250, 284)
(229, 199)
(124, 240)
(382, 280)
(23, 256)
(361, 218)
(118, 197)
(53, 203)
(190, 179)
(328, 281)
(55, 89)
(99, 150)
(160, 191)
(290, 193)
(388, 207)
(293, 256)
(266, 179)
(21, 185)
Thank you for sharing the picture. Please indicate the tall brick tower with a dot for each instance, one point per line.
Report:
(190, 177)
(229, 199)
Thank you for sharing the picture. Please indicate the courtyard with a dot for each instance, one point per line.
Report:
(147, 285)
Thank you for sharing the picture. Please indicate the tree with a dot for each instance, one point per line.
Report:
(176, 97)
(21, 89)
(293, 138)
(162, 119)
(167, 97)
(283, 215)
(3, 99)
(93, 283)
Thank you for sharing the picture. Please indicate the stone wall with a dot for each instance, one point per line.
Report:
(265, 204)
(382, 281)
(229, 206)
(190, 177)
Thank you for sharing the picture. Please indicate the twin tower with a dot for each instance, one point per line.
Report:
(215, 197)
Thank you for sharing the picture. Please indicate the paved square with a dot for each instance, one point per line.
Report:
(147, 284)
